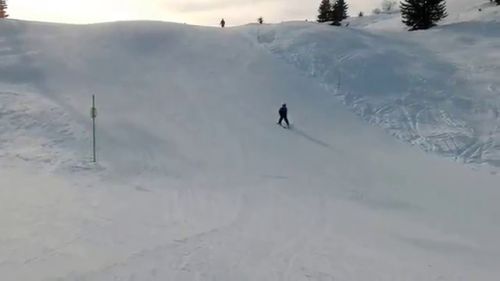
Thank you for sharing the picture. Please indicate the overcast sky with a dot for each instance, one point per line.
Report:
(202, 12)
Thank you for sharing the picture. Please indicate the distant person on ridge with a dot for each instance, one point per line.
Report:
(284, 115)
(222, 23)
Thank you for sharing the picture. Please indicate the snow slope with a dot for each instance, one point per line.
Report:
(443, 92)
(195, 180)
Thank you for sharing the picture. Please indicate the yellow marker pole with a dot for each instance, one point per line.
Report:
(93, 114)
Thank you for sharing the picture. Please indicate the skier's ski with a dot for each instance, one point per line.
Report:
(285, 127)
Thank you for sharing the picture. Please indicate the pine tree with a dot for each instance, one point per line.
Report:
(339, 12)
(498, 2)
(422, 14)
(3, 9)
(324, 11)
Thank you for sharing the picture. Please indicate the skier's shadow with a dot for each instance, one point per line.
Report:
(310, 138)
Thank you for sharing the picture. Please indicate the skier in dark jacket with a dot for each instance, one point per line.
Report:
(222, 23)
(284, 115)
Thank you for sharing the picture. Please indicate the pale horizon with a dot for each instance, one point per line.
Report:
(198, 12)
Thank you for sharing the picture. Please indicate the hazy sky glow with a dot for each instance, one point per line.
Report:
(203, 12)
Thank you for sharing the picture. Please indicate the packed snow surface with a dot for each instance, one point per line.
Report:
(195, 181)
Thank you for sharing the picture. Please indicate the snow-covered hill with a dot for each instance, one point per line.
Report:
(196, 182)
(444, 92)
